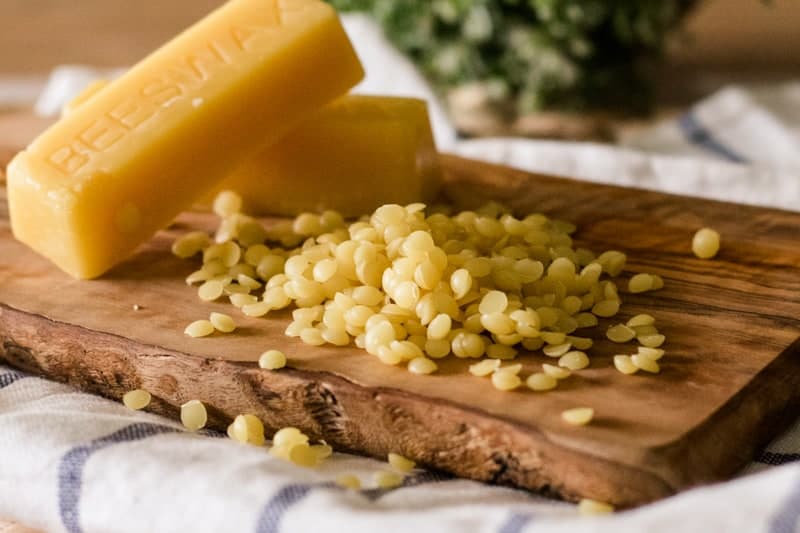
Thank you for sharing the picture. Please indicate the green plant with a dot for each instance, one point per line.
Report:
(536, 54)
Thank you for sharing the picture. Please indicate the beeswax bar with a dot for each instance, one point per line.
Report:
(120, 166)
(87, 94)
(354, 155)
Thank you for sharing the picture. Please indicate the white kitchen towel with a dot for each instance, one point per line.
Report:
(78, 463)
(757, 125)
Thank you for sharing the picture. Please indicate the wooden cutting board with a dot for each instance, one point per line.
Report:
(730, 380)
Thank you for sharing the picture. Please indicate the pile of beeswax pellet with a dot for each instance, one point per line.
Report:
(411, 287)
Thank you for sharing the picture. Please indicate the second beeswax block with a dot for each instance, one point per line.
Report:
(120, 166)
(354, 155)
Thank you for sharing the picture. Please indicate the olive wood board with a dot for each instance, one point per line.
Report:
(729, 382)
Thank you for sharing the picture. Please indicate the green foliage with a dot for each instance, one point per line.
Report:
(541, 54)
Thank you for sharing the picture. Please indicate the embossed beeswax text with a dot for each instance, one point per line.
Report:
(188, 73)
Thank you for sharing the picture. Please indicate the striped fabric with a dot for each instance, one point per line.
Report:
(77, 463)
(696, 133)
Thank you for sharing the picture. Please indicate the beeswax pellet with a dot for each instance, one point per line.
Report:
(578, 416)
(591, 507)
(272, 360)
(348, 481)
(194, 415)
(388, 480)
(136, 399)
(400, 463)
(248, 429)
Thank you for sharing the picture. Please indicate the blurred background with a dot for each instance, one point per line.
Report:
(543, 68)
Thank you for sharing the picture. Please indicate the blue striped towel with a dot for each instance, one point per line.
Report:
(77, 463)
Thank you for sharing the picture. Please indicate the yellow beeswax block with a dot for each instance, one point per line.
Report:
(87, 94)
(120, 166)
(354, 155)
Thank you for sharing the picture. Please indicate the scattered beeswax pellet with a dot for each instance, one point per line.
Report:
(422, 365)
(651, 341)
(641, 283)
(641, 331)
(241, 300)
(289, 435)
(248, 429)
(651, 353)
(210, 290)
(349, 481)
(272, 360)
(511, 369)
(199, 328)
(501, 351)
(505, 380)
(606, 308)
(578, 416)
(257, 309)
(574, 360)
(388, 480)
(136, 399)
(303, 455)
(312, 336)
(485, 367)
(194, 415)
(227, 203)
(191, 244)
(93, 187)
(493, 302)
(580, 343)
(541, 382)
(640, 320)
(367, 151)
(439, 327)
(291, 444)
(625, 364)
(553, 337)
(612, 262)
(557, 350)
(400, 463)
(705, 243)
(222, 322)
(620, 333)
(645, 363)
(556, 371)
(592, 507)
(586, 320)
(228, 253)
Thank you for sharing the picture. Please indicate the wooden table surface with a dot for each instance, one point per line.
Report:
(6, 526)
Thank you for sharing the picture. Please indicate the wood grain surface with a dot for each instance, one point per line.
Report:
(7, 526)
(14, 527)
(730, 380)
